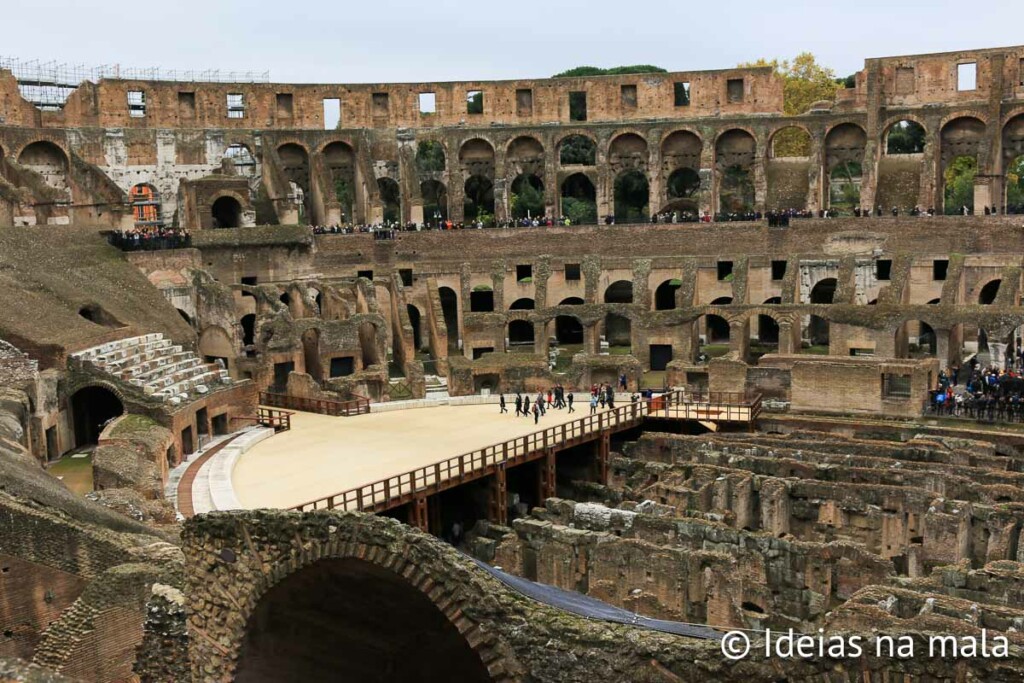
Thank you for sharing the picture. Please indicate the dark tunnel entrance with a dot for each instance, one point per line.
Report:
(349, 620)
(91, 409)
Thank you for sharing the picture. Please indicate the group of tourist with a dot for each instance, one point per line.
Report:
(556, 398)
(150, 239)
(989, 393)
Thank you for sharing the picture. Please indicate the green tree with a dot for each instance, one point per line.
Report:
(583, 71)
(578, 149)
(1015, 184)
(580, 211)
(527, 197)
(959, 177)
(475, 103)
(429, 157)
(804, 82)
(905, 137)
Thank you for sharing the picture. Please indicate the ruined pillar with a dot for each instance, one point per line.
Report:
(814, 172)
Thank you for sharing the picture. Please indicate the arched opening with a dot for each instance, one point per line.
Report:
(683, 188)
(787, 169)
(632, 197)
(481, 299)
(714, 335)
(618, 332)
(579, 199)
(905, 137)
(571, 301)
(816, 335)
(49, 161)
(215, 344)
(353, 620)
(568, 330)
(916, 339)
(524, 304)
(241, 159)
(681, 149)
(1013, 164)
(390, 199)
(145, 205)
(248, 322)
(91, 409)
(962, 141)
(226, 212)
(722, 301)
(479, 199)
(368, 344)
(767, 333)
(311, 354)
(450, 312)
(844, 159)
(295, 166)
(526, 153)
(341, 162)
(577, 150)
(988, 293)
(527, 196)
(98, 315)
(791, 142)
(430, 157)
(665, 295)
(824, 291)
(520, 335)
(414, 321)
(734, 162)
(619, 292)
(285, 298)
(435, 201)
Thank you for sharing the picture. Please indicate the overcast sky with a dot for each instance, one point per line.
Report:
(441, 40)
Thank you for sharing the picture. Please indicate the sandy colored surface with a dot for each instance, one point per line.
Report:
(323, 455)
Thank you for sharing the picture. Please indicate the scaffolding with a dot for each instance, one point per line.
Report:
(47, 85)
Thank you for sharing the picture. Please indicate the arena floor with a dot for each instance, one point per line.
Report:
(323, 455)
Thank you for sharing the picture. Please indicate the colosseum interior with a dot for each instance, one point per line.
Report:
(257, 340)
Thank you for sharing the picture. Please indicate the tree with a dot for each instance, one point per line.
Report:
(578, 149)
(527, 197)
(804, 82)
(429, 157)
(959, 177)
(905, 137)
(1015, 185)
(583, 71)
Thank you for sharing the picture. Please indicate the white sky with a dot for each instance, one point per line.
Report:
(422, 40)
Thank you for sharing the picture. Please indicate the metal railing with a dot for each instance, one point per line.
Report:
(359, 405)
(395, 490)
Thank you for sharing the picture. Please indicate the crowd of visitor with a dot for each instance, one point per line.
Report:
(150, 239)
(556, 398)
(981, 393)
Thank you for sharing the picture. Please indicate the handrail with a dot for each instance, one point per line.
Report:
(451, 471)
(280, 420)
(324, 406)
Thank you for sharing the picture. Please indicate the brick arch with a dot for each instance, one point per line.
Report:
(620, 132)
(524, 138)
(292, 141)
(335, 140)
(680, 129)
(728, 129)
(780, 317)
(16, 154)
(519, 314)
(414, 560)
(975, 294)
(729, 316)
(477, 138)
(835, 124)
(1013, 113)
(888, 123)
(961, 114)
(87, 382)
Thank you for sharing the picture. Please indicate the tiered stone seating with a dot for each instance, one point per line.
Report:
(156, 366)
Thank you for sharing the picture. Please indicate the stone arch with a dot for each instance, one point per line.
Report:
(683, 187)
(627, 150)
(906, 135)
(681, 149)
(789, 141)
(47, 159)
(92, 406)
(619, 292)
(665, 295)
(571, 301)
(988, 292)
(817, 333)
(450, 312)
(431, 157)
(295, 163)
(226, 212)
(824, 291)
(1013, 163)
(632, 195)
(524, 304)
(901, 165)
(415, 321)
(577, 149)
(521, 334)
(390, 199)
(568, 329)
(714, 328)
(788, 168)
(844, 164)
(735, 152)
(476, 156)
(525, 149)
(618, 331)
(340, 158)
(579, 199)
(962, 142)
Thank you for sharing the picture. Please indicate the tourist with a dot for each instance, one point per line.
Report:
(571, 409)
(622, 381)
(501, 402)
(536, 412)
(526, 406)
(593, 404)
(519, 404)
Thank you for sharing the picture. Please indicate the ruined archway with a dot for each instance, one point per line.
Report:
(577, 150)
(715, 332)
(958, 185)
(295, 166)
(435, 201)
(527, 196)
(414, 322)
(521, 336)
(476, 157)
(48, 160)
(683, 188)
(524, 304)
(568, 330)
(915, 339)
(905, 137)
(844, 162)
(681, 149)
(787, 169)
(579, 199)
(901, 166)
(619, 292)
(92, 407)
(352, 616)
(961, 141)
(618, 332)
(242, 160)
(341, 162)
(479, 199)
(987, 295)
(1013, 164)
(824, 291)
(665, 294)
(450, 312)
(390, 199)
(735, 151)
(632, 197)
(226, 212)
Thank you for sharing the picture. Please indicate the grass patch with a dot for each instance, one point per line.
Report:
(130, 424)
(819, 349)
(76, 473)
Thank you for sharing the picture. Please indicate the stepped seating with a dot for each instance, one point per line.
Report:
(156, 366)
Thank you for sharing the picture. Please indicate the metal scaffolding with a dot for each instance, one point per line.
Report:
(48, 84)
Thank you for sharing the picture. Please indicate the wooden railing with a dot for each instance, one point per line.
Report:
(279, 420)
(395, 490)
(359, 405)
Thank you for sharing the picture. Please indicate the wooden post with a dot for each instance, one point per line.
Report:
(603, 456)
(546, 471)
(498, 499)
(418, 516)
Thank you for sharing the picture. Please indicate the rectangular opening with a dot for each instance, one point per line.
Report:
(627, 94)
(524, 102)
(883, 269)
(368, 274)
(136, 104)
(380, 103)
(220, 424)
(967, 76)
(939, 269)
(285, 105)
(51, 443)
(475, 102)
(479, 352)
(681, 94)
(572, 271)
(187, 105)
(858, 351)
(779, 270)
(203, 421)
(186, 441)
(481, 301)
(661, 356)
(725, 270)
(734, 90)
(236, 105)
(895, 386)
(578, 106)
(428, 103)
(281, 372)
(524, 273)
(332, 113)
(904, 80)
(249, 279)
(406, 275)
(1020, 72)
(342, 367)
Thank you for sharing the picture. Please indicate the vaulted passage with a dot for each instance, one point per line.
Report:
(91, 409)
(348, 620)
